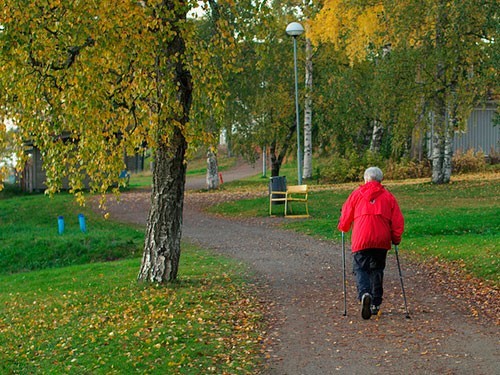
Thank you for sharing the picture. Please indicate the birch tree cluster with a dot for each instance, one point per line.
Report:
(419, 67)
(391, 80)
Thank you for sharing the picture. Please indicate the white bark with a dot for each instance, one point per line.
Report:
(442, 148)
(448, 152)
(437, 154)
(377, 132)
(264, 161)
(307, 169)
(212, 171)
(442, 137)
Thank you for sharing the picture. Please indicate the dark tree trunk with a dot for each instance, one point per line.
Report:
(162, 245)
(277, 159)
(275, 164)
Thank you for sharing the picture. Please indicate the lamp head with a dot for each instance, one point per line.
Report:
(294, 29)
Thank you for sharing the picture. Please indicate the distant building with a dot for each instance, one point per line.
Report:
(481, 133)
(33, 176)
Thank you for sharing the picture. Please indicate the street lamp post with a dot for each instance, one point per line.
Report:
(295, 29)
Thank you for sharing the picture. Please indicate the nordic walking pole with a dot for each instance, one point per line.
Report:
(402, 285)
(343, 275)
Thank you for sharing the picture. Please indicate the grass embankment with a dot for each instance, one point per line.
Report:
(30, 238)
(63, 310)
(459, 222)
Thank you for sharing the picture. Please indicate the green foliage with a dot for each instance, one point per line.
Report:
(86, 82)
(454, 222)
(343, 169)
(96, 319)
(261, 110)
(399, 65)
(30, 238)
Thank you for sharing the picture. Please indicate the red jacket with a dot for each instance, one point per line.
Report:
(378, 221)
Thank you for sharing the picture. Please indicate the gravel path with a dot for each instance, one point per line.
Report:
(302, 278)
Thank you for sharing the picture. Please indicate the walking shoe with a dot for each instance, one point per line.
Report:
(366, 301)
(374, 309)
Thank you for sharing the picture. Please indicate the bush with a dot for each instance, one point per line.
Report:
(340, 169)
(493, 157)
(407, 169)
(468, 162)
(351, 167)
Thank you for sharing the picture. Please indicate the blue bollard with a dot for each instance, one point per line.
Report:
(81, 220)
(60, 224)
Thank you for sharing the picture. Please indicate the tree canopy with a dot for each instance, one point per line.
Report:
(101, 74)
(449, 47)
(87, 81)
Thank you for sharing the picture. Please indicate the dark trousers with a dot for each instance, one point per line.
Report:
(368, 267)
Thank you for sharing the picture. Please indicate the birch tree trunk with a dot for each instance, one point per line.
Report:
(212, 171)
(448, 152)
(307, 169)
(438, 144)
(377, 132)
(162, 244)
(442, 151)
(442, 137)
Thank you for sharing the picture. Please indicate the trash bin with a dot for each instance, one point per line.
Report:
(277, 183)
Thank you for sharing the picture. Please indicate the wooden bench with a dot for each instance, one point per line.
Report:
(294, 193)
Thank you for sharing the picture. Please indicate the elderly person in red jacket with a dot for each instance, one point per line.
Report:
(377, 222)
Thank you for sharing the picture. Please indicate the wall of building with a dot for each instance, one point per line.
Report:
(480, 134)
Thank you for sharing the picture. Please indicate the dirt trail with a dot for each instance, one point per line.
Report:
(310, 335)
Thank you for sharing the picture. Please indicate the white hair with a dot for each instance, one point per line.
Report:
(373, 174)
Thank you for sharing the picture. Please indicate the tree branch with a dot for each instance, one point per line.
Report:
(73, 53)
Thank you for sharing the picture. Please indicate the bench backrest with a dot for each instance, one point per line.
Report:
(297, 189)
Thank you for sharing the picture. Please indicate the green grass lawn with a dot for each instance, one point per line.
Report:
(459, 222)
(66, 309)
(30, 239)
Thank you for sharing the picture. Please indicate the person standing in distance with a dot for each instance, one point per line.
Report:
(377, 222)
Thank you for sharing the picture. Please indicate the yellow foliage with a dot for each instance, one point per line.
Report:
(361, 26)
(98, 73)
(327, 25)
(355, 26)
